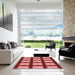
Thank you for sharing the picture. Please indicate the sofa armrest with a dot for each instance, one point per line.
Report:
(20, 45)
(6, 57)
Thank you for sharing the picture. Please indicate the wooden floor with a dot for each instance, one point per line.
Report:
(68, 64)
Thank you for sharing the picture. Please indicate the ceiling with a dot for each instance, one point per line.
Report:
(30, 1)
(34, 4)
(42, 4)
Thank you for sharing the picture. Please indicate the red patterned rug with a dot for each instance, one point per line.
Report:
(37, 63)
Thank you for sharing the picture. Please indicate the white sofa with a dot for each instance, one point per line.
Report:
(9, 55)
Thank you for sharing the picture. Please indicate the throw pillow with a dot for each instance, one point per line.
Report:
(9, 46)
(3, 45)
(13, 44)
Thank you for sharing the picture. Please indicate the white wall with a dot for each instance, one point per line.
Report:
(6, 35)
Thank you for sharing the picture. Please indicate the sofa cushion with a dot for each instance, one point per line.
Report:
(17, 51)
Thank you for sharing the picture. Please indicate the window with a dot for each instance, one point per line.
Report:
(40, 23)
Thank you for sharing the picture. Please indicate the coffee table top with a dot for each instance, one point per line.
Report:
(40, 51)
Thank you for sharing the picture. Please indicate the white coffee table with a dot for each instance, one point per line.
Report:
(40, 53)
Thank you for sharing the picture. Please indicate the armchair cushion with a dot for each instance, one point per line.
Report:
(72, 48)
(51, 45)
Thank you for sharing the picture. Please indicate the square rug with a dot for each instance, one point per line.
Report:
(37, 63)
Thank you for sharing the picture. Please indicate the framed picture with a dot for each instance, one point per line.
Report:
(1, 15)
(6, 17)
